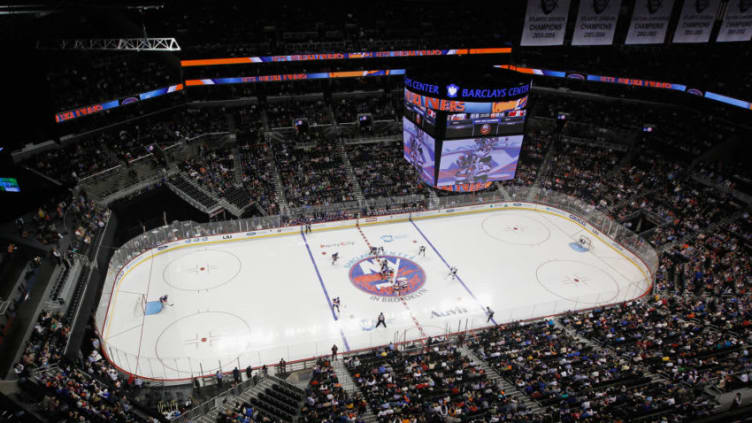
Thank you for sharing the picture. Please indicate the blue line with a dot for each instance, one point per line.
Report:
(347, 346)
(447, 265)
(323, 287)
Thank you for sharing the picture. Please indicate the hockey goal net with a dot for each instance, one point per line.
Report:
(585, 242)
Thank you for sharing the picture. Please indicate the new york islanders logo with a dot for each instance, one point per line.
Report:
(405, 273)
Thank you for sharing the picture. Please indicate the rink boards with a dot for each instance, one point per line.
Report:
(183, 368)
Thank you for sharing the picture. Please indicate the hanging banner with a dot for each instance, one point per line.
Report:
(545, 22)
(696, 21)
(649, 21)
(737, 24)
(596, 22)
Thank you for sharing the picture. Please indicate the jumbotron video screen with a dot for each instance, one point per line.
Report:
(419, 149)
(478, 160)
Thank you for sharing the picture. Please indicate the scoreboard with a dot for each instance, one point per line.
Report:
(464, 133)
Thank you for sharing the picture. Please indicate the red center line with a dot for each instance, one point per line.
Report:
(417, 324)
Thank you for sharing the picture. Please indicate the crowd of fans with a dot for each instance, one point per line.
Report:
(573, 380)
(213, 169)
(578, 171)
(282, 114)
(98, 77)
(326, 400)
(347, 109)
(313, 176)
(124, 143)
(258, 176)
(240, 30)
(434, 382)
(382, 171)
(74, 161)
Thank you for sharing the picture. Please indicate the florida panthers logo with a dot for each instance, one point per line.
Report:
(404, 274)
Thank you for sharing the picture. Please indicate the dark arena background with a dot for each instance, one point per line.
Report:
(404, 211)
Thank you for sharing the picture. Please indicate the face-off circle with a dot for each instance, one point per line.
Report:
(366, 276)
(202, 270)
(204, 337)
(515, 229)
(577, 281)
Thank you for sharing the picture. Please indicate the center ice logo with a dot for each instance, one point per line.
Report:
(366, 276)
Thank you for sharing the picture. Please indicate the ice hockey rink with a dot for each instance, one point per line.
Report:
(251, 301)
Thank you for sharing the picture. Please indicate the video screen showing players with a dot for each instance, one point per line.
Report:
(424, 118)
(477, 160)
(419, 149)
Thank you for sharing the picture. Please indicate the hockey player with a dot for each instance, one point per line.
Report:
(453, 272)
(490, 313)
(401, 284)
(373, 251)
(422, 251)
(335, 257)
(381, 321)
(335, 304)
(381, 250)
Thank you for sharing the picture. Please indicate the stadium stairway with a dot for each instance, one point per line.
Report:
(238, 166)
(509, 389)
(64, 286)
(351, 175)
(191, 193)
(544, 168)
(278, 186)
(232, 396)
(349, 386)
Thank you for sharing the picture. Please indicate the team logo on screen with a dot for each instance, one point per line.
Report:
(599, 6)
(548, 6)
(485, 129)
(452, 90)
(404, 276)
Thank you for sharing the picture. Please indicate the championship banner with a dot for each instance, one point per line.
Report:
(545, 22)
(649, 21)
(696, 21)
(596, 22)
(737, 24)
